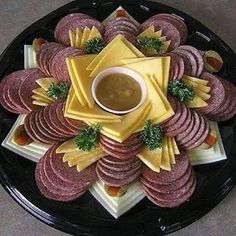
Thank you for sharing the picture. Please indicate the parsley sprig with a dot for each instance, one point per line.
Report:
(151, 135)
(180, 90)
(58, 91)
(87, 139)
(149, 46)
(94, 46)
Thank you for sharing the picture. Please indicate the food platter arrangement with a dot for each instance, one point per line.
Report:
(122, 108)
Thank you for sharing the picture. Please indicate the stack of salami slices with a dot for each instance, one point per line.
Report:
(170, 188)
(71, 22)
(57, 181)
(125, 150)
(176, 66)
(188, 126)
(51, 59)
(172, 27)
(222, 103)
(16, 90)
(48, 125)
(123, 26)
(193, 61)
(116, 172)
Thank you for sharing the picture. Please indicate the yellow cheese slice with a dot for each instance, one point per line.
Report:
(162, 39)
(42, 93)
(157, 34)
(81, 155)
(90, 120)
(75, 84)
(78, 37)
(136, 59)
(94, 33)
(94, 113)
(41, 99)
(196, 80)
(165, 45)
(84, 164)
(83, 80)
(76, 160)
(85, 36)
(72, 38)
(198, 86)
(120, 50)
(175, 147)
(44, 83)
(158, 107)
(130, 123)
(69, 97)
(196, 103)
(151, 158)
(169, 110)
(68, 146)
(149, 32)
(132, 51)
(165, 160)
(166, 69)
(204, 96)
(39, 103)
(129, 120)
(171, 150)
(153, 66)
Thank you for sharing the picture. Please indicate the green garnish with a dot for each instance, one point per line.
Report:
(87, 139)
(151, 135)
(149, 46)
(180, 90)
(58, 91)
(94, 46)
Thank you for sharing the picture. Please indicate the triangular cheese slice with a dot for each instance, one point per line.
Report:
(44, 83)
(165, 160)
(78, 37)
(171, 150)
(75, 83)
(151, 158)
(85, 36)
(83, 81)
(72, 38)
(42, 93)
(196, 80)
(196, 103)
(94, 33)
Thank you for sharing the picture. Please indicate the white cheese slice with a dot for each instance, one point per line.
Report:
(213, 154)
(117, 206)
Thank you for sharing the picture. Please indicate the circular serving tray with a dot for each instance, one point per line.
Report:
(86, 216)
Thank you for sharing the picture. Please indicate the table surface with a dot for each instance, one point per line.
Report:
(15, 16)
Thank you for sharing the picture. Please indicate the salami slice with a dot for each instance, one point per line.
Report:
(117, 182)
(166, 197)
(62, 32)
(116, 161)
(118, 174)
(176, 202)
(120, 167)
(217, 93)
(180, 63)
(58, 63)
(166, 177)
(9, 88)
(196, 54)
(132, 140)
(177, 22)
(70, 174)
(168, 188)
(124, 150)
(26, 87)
(190, 63)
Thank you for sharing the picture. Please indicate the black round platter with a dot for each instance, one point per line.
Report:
(86, 216)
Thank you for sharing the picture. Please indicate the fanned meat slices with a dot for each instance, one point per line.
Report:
(73, 21)
(11, 98)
